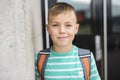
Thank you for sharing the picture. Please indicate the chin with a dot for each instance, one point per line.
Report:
(64, 45)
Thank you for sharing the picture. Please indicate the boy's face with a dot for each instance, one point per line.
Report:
(62, 28)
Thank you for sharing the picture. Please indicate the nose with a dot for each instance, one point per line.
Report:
(62, 30)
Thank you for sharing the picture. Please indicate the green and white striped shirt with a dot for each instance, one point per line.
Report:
(67, 66)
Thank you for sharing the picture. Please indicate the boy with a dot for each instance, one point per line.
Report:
(63, 62)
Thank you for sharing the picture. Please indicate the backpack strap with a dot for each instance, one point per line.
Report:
(42, 60)
(85, 56)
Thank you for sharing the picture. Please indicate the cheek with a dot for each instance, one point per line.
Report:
(73, 31)
(52, 32)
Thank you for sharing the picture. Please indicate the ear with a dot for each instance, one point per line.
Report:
(47, 27)
(77, 28)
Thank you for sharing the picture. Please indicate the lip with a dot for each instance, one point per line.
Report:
(62, 37)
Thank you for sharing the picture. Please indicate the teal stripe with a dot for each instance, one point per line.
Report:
(64, 73)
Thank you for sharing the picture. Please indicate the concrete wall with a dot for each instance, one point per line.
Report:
(20, 38)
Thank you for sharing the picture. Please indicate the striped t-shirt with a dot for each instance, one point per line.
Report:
(67, 66)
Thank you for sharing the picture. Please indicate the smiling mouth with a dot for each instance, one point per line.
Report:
(62, 37)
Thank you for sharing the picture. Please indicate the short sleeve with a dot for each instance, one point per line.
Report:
(37, 76)
(94, 75)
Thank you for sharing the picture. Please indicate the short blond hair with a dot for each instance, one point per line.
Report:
(59, 8)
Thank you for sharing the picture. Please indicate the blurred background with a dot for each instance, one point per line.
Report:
(22, 33)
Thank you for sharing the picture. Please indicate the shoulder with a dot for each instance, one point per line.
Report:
(84, 52)
(81, 50)
(44, 51)
(41, 52)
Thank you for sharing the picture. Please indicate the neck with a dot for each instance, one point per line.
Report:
(62, 49)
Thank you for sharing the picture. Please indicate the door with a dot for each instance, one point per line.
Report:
(113, 39)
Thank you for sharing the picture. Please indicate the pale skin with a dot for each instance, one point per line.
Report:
(62, 29)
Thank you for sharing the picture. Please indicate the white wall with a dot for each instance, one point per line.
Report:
(20, 38)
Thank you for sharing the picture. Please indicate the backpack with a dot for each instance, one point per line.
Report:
(84, 56)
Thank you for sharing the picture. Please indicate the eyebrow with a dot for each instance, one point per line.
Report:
(55, 22)
(59, 22)
(68, 22)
